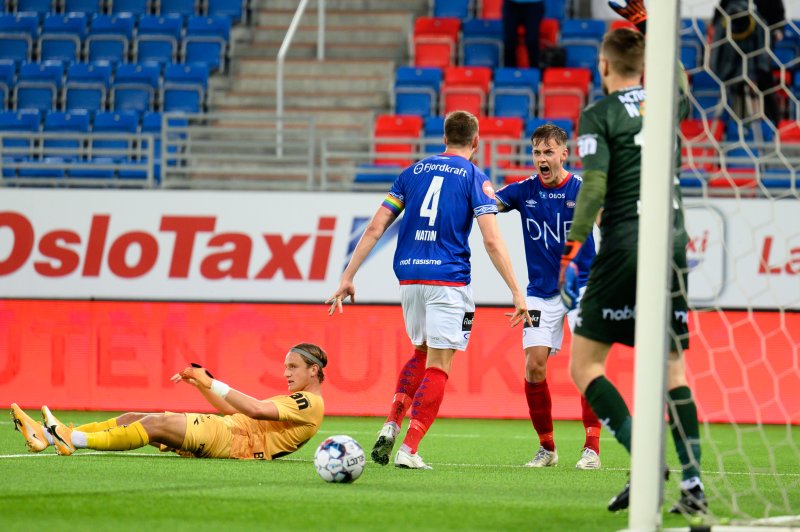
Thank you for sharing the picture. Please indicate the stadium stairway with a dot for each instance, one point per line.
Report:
(365, 41)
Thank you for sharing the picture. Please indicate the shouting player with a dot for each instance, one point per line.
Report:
(440, 195)
(610, 148)
(545, 202)
(249, 429)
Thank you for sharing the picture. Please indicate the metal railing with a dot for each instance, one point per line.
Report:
(237, 151)
(281, 59)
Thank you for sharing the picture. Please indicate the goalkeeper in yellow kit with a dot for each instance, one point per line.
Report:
(248, 429)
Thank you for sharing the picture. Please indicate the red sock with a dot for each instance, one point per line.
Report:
(426, 405)
(407, 384)
(592, 426)
(540, 410)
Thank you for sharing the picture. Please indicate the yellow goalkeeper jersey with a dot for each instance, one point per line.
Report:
(300, 417)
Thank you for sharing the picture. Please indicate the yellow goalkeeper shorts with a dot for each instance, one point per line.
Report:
(207, 436)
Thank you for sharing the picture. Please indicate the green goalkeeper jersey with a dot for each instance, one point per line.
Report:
(609, 142)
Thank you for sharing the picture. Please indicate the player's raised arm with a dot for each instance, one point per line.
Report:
(381, 221)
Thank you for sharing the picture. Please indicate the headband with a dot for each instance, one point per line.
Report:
(308, 356)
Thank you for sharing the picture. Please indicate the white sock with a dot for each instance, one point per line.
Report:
(406, 449)
(395, 427)
(690, 483)
(48, 436)
(79, 439)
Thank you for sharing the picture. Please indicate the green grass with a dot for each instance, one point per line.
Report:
(477, 483)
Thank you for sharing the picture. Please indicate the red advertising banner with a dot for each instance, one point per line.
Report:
(743, 367)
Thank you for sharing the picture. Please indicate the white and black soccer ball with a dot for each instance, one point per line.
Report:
(339, 459)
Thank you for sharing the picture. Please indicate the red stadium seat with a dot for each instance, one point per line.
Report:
(564, 92)
(548, 32)
(435, 41)
(735, 178)
(396, 128)
(789, 131)
(694, 132)
(490, 9)
(577, 78)
(622, 23)
(497, 128)
(517, 173)
(466, 88)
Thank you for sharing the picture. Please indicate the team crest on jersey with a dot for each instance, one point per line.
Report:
(487, 189)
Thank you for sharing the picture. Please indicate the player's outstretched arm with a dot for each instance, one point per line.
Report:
(220, 394)
(632, 10)
(496, 248)
(374, 231)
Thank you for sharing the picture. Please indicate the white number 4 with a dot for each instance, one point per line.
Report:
(430, 205)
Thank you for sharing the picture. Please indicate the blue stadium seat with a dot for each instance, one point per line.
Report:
(230, 8)
(482, 43)
(583, 29)
(135, 87)
(62, 36)
(184, 88)
(514, 92)
(433, 133)
(741, 158)
(65, 122)
(52, 167)
(8, 78)
(109, 38)
(736, 131)
(452, 8)
(777, 178)
(533, 123)
(25, 121)
(39, 85)
(206, 41)
(416, 90)
(18, 33)
(36, 6)
(89, 7)
(689, 57)
(87, 86)
(376, 173)
(125, 122)
(184, 8)
(157, 39)
(556, 9)
(581, 55)
(135, 7)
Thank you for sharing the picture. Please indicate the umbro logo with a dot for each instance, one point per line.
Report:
(530, 203)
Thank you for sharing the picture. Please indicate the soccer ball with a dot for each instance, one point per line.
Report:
(339, 459)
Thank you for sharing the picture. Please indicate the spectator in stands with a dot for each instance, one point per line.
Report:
(744, 31)
(529, 14)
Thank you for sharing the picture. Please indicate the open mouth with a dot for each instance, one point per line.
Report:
(544, 170)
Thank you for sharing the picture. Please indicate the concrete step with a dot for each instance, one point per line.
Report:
(392, 52)
(395, 19)
(310, 100)
(308, 83)
(329, 67)
(355, 122)
(334, 35)
(418, 7)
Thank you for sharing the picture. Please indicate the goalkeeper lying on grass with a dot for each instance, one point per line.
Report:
(249, 428)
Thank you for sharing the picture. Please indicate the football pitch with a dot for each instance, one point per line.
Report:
(477, 483)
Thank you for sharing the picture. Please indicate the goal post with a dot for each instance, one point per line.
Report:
(653, 266)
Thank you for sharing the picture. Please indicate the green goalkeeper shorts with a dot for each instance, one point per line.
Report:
(608, 308)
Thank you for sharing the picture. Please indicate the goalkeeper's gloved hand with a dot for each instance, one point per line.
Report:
(195, 365)
(568, 277)
(632, 10)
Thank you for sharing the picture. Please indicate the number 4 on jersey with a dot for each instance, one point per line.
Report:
(430, 205)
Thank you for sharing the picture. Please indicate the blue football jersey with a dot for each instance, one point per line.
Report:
(546, 214)
(440, 195)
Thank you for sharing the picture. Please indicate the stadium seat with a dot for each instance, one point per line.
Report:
(135, 87)
(136, 7)
(548, 32)
(465, 88)
(8, 78)
(583, 30)
(501, 129)
(433, 135)
(698, 150)
(514, 92)
(226, 8)
(157, 39)
(481, 43)
(402, 132)
(754, 131)
(17, 35)
(490, 9)
(90, 7)
(39, 85)
(377, 173)
(581, 55)
(416, 90)
(184, 8)
(25, 122)
(564, 92)
(35, 6)
(65, 122)
(738, 157)
(452, 8)
(555, 9)
(50, 167)
(124, 123)
(87, 86)
(435, 41)
(789, 131)
(184, 88)
(62, 36)
(206, 41)
(109, 38)
(533, 124)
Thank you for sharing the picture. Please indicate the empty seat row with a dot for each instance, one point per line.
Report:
(235, 9)
(489, 9)
(97, 87)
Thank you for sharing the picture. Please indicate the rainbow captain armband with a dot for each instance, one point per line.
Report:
(393, 204)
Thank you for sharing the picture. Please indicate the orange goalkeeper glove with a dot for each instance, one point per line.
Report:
(632, 10)
(568, 277)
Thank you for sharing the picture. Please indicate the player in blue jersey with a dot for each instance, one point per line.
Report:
(545, 202)
(440, 195)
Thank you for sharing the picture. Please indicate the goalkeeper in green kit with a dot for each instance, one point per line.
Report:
(609, 144)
